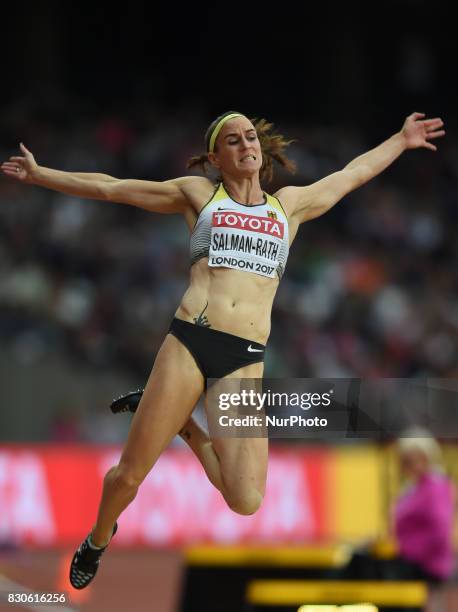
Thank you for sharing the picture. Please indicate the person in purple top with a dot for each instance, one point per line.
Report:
(422, 520)
(424, 511)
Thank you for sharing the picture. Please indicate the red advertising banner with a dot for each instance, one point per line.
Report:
(252, 223)
(49, 496)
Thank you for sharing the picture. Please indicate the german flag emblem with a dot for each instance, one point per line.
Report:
(272, 214)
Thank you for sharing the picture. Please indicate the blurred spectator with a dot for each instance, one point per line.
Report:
(422, 519)
(424, 511)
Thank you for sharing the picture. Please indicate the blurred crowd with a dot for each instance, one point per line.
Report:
(370, 288)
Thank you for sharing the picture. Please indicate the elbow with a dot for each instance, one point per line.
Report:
(363, 174)
(357, 176)
(103, 191)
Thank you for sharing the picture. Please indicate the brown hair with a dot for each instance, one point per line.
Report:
(273, 147)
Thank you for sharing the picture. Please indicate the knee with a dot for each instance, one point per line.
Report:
(247, 503)
(124, 477)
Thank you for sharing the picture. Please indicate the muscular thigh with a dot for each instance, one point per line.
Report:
(243, 461)
(171, 393)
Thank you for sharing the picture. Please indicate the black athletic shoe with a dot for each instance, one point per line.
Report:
(85, 563)
(127, 402)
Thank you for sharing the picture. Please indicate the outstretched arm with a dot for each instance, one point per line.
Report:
(305, 203)
(165, 197)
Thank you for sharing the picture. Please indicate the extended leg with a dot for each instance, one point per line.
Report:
(172, 391)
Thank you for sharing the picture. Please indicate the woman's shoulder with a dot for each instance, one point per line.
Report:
(286, 195)
(197, 189)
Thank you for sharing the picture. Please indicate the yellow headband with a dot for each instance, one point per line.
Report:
(217, 129)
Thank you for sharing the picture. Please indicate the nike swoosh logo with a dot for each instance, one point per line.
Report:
(226, 209)
(253, 350)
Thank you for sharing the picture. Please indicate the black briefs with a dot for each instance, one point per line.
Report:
(216, 353)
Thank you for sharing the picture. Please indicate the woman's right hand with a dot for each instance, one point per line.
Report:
(23, 169)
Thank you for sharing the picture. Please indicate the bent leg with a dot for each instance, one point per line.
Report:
(243, 464)
(242, 461)
(171, 393)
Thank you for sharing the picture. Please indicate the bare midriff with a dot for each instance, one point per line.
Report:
(232, 301)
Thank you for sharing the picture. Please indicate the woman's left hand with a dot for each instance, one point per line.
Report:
(418, 131)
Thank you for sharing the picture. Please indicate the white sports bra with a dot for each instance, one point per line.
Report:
(248, 237)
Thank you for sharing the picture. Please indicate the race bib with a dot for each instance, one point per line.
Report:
(246, 242)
